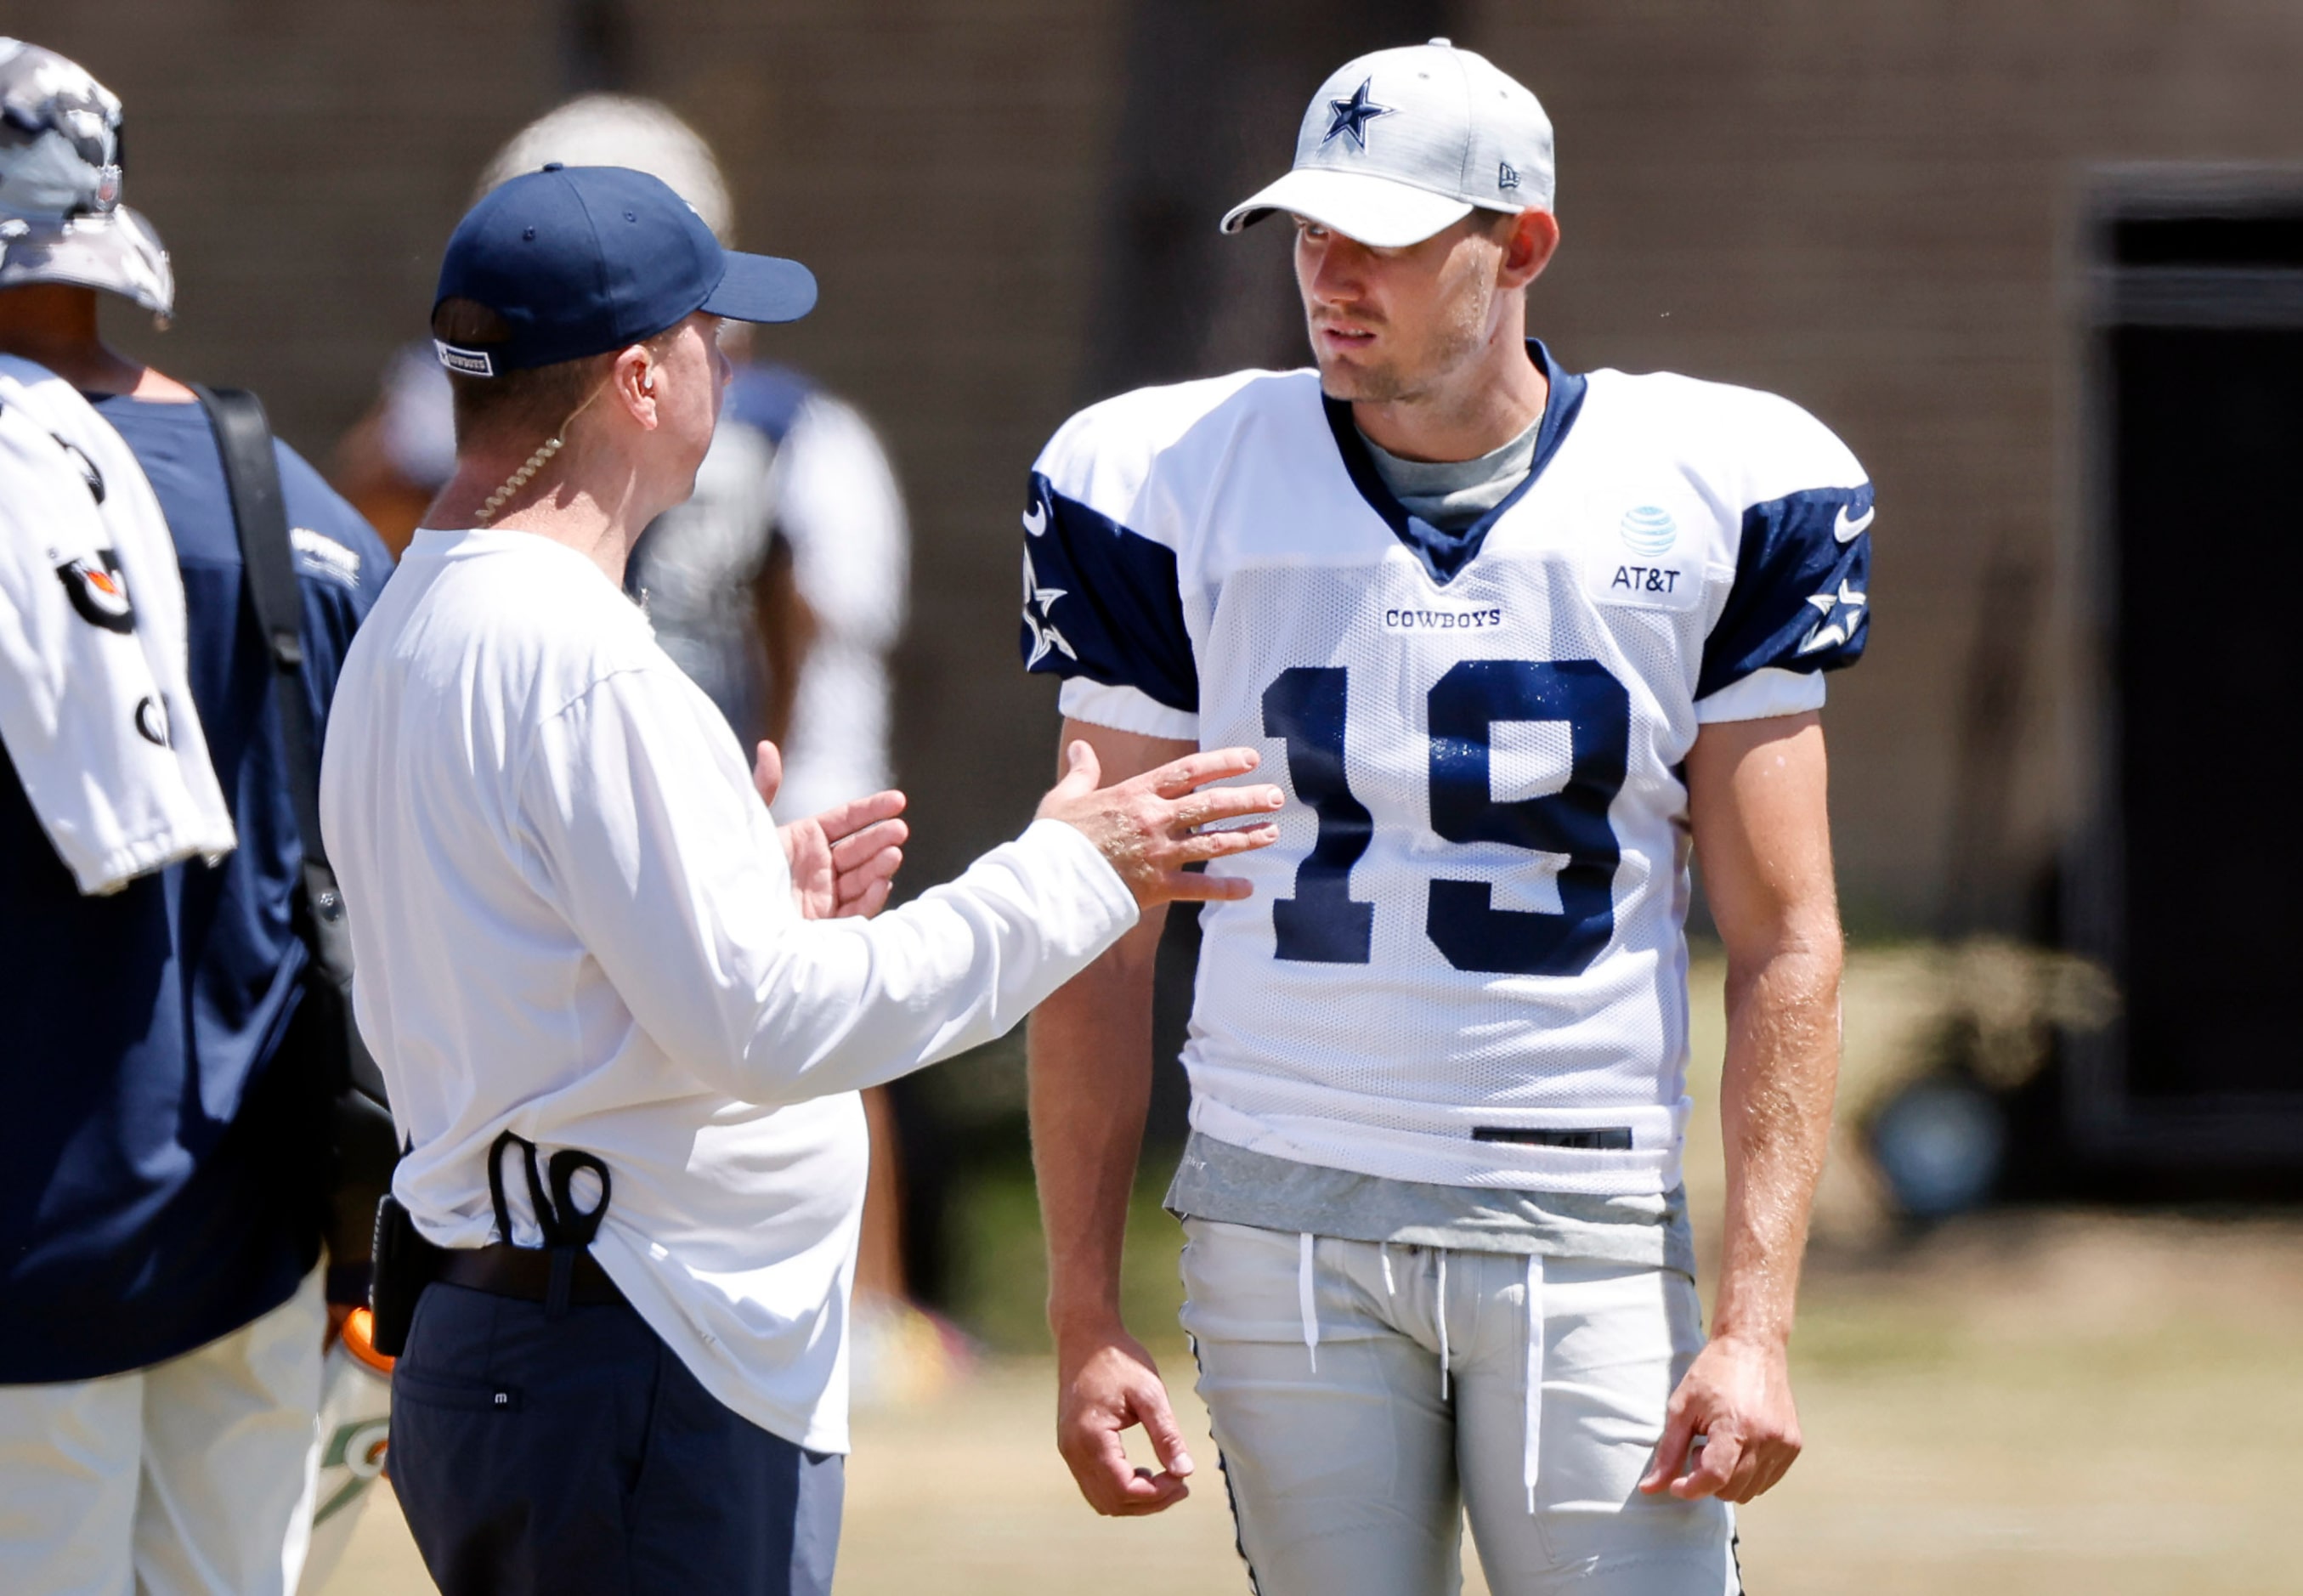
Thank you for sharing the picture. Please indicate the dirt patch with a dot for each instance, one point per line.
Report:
(2022, 1403)
(2016, 1403)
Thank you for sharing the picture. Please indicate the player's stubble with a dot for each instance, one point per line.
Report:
(1412, 367)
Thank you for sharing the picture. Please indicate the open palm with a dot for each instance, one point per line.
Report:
(843, 861)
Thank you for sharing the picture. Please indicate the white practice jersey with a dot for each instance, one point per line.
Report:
(1465, 960)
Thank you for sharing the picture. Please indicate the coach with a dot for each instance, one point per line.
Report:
(585, 947)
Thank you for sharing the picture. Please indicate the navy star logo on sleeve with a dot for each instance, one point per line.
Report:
(1353, 115)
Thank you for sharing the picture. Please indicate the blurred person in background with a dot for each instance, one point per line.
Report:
(162, 1311)
(1528, 637)
(780, 589)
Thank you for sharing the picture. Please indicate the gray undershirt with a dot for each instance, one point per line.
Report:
(1233, 1185)
(1452, 494)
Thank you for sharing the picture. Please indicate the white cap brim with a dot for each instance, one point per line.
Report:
(1378, 211)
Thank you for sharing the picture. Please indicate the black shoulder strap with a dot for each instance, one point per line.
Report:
(251, 474)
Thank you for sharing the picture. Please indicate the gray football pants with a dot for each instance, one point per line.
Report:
(1362, 1397)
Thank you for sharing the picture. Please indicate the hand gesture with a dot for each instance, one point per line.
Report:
(843, 861)
(1737, 1396)
(1148, 827)
(1112, 1388)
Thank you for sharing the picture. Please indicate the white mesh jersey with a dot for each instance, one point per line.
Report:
(1465, 960)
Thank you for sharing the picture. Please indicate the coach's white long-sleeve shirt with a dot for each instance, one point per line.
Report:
(573, 919)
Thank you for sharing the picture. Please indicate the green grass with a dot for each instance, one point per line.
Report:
(1000, 1276)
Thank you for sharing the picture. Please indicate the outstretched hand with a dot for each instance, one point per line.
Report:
(1148, 827)
(843, 861)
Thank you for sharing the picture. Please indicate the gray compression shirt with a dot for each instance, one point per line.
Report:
(1452, 494)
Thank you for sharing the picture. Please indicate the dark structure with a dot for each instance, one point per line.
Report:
(2182, 881)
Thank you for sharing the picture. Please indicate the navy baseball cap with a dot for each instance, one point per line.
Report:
(579, 260)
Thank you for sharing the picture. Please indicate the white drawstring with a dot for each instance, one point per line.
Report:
(1303, 1298)
(1443, 1321)
(1534, 1416)
(1383, 1249)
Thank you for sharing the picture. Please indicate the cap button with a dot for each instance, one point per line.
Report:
(554, 165)
(1444, 44)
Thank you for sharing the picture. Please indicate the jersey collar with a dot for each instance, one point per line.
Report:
(1445, 555)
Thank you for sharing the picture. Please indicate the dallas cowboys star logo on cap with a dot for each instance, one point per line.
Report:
(1353, 115)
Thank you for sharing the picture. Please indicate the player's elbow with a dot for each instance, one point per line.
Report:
(1800, 948)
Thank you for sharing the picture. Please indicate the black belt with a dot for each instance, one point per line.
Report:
(525, 1272)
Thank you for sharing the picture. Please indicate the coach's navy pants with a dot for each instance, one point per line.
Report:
(579, 1454)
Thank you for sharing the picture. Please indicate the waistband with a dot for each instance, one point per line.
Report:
(525, 1272)
(1579, 1151)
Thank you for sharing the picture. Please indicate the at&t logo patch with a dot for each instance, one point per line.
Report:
(1644, 584)
(1656, 581)
(1648, 529)
(1643, 557)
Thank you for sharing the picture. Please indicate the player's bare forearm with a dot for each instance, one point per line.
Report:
(1090, 1052)
(1775, 1118)
(1757, 791)
(1090, 1083)
(1757, 797)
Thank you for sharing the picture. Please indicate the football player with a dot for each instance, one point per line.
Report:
(1520, 640)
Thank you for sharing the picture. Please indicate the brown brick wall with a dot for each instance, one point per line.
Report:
(1866, 208)
(1862, 207)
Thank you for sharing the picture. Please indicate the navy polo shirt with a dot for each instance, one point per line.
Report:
(158, 1186)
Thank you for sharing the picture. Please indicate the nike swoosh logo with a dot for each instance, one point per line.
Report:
(1035, 520)
(1845, 531)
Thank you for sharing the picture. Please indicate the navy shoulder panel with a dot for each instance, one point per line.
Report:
(1801, 599)
(769, 397)
(1103, 602)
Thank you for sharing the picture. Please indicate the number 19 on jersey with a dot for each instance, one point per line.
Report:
(1307, 707)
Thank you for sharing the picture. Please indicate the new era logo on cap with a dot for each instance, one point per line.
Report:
(1399, 144)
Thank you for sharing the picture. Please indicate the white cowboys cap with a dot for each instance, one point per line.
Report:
(1402, 143)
